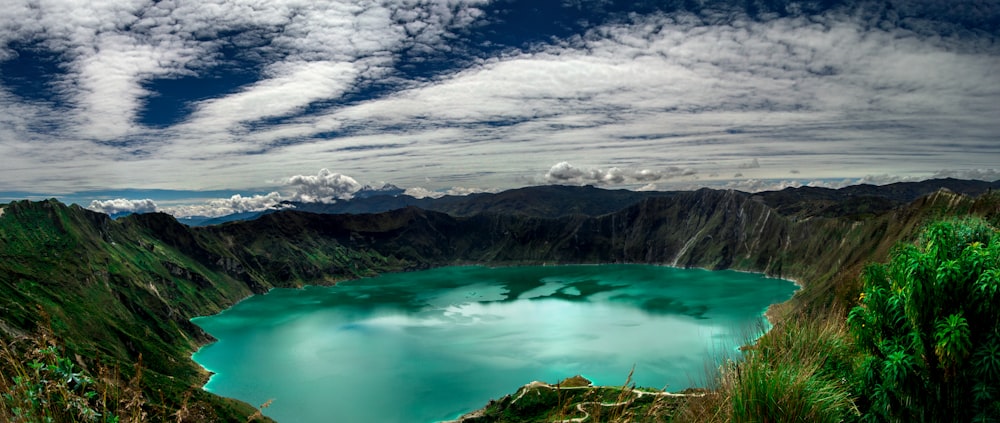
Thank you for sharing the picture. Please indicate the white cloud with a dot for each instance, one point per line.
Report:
(226, 206)
(123, 205)
(292, 87)
(757, 185)
(418, 192)
(831, 95)
(566, 173)
(326, 186)
(460, 191)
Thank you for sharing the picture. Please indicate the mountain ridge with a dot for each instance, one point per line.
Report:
(558, 200)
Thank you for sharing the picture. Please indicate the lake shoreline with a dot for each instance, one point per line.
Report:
(568, 289)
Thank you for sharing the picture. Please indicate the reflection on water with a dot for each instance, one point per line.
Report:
(428, 346)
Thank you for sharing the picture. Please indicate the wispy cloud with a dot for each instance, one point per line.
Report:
(566, 173)
(837, 95)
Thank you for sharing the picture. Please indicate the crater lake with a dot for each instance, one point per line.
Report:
(431, 345)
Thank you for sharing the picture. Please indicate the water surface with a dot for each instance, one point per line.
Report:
(428, 346)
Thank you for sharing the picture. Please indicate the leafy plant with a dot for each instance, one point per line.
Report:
(39, 384)
(928, 324)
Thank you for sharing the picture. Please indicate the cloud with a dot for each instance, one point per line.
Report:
(753, 164)
(566, 173)
(418, 192)
(226, 206)
(326, 186)
(460, 191)
(758, 185)
(409, 90)
(291, 87)
(123, 205)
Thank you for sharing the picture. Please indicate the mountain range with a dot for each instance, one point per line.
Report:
(114, 290)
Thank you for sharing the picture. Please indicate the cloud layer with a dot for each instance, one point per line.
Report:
(566, 173)
(238, 94)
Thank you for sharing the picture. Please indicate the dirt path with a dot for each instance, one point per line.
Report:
(580, 406)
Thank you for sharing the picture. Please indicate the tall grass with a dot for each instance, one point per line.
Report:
(39, 384)
(798, 372)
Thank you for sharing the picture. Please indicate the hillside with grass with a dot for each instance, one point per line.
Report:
(111, 300)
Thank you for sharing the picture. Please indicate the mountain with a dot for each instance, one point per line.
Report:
(208, 221)
(538, 201)
(859, 201)
(856, 201)
(386, 190)
(121, 289)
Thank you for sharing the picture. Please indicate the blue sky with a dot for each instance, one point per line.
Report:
(214, 106)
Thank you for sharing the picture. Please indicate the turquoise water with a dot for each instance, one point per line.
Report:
(431, 345)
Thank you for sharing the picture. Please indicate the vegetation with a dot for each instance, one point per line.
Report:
(795, 373)
(929, 328)
(576, 400)
(922, 344)
(40, 384)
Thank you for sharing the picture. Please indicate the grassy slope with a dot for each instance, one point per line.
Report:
(112, 294)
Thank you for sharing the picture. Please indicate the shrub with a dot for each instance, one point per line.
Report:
(928, 325)
(39, 384)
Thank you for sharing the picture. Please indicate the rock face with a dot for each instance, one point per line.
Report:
(123, 288)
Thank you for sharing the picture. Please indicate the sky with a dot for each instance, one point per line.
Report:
(208, 107)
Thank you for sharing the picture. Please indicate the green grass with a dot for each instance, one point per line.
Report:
(795, 373)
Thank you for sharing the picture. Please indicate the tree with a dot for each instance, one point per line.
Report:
(928, 324)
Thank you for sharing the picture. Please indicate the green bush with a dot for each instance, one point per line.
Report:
(928, 326)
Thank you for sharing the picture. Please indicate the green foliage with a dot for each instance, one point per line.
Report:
(794, 373)
(40, 384)
(928, 325)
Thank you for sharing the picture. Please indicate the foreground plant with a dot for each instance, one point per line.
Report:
(929, 326)
(39, 384)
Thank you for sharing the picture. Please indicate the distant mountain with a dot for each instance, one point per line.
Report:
(121, 289)
(860, 201)
(208, 221)
(538, 201)
(369, 191)
(855, 201)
